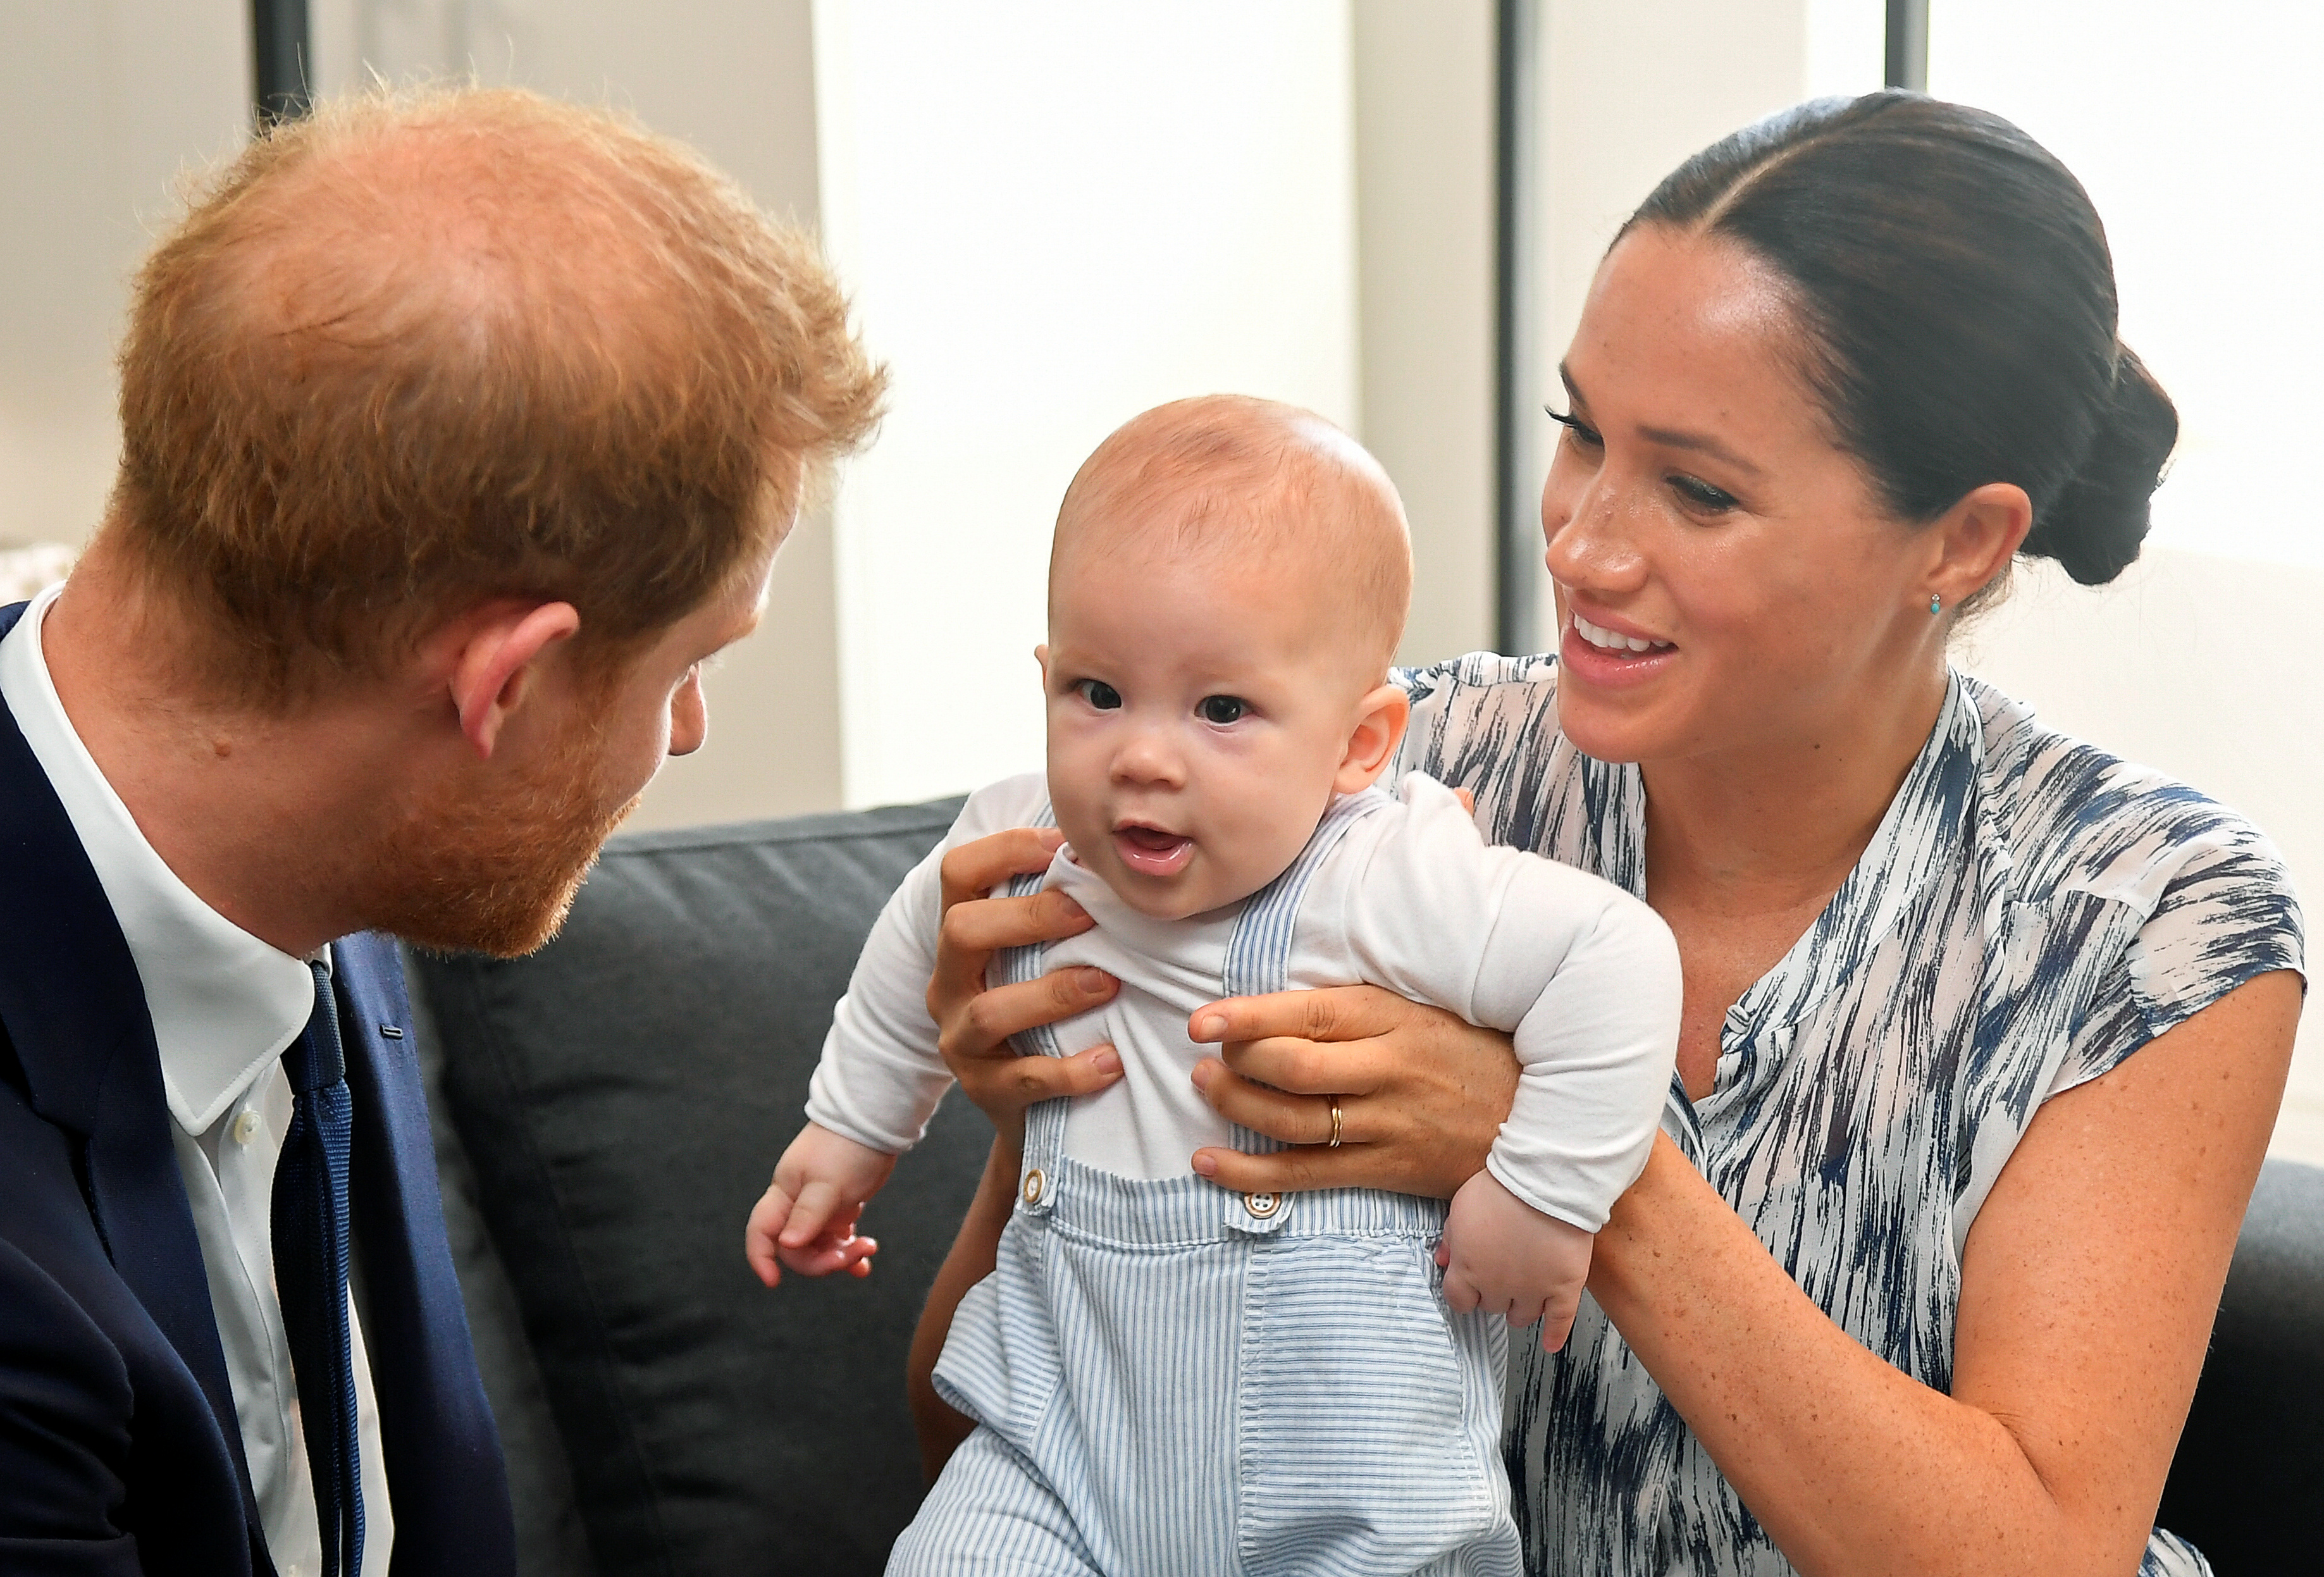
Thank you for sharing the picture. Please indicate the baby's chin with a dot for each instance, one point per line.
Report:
(1194, 890)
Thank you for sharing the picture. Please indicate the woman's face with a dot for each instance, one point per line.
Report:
(1725, 577)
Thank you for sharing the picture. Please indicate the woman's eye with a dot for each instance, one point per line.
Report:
(1584, 435)
(1221, 709)
(1099, 694)
(1702, 495)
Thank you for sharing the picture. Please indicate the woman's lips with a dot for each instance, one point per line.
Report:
(1604, 665)
(1151, 852)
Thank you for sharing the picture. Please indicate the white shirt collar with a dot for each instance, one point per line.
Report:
(224, 1003)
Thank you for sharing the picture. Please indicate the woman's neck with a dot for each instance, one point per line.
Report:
(1782, 823)
(1745, 848)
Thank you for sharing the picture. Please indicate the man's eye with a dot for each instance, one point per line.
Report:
(1099, 694)
(1221, 709)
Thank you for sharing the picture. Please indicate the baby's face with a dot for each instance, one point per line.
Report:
(1198, 716)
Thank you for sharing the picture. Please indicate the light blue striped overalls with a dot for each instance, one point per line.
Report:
(1172, 1379)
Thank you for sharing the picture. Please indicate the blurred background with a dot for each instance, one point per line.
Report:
(1053, 213)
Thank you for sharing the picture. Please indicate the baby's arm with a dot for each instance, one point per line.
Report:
(1502, 1255)
(881, 1073)
(1588, 979)
(807, 1217)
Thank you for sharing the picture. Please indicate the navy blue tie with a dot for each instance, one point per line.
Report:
(309, 1220)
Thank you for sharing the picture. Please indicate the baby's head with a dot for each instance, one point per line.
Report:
(1227, 586)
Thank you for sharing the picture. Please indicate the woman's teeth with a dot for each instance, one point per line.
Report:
(1607, 640)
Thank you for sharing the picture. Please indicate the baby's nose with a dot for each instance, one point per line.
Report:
(1146, 758)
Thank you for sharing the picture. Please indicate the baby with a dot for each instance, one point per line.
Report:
(1166, 1376)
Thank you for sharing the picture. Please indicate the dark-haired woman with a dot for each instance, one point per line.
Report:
(1985, 1029)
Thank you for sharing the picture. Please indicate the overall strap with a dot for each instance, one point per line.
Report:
(1045, 1124)
(1258, 951)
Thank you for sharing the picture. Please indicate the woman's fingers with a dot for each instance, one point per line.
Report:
(981, 1026)
(1293, 1171)
(1311, 1068)
(1010, 1084)
(1339, 1013)
(983, 926)
(1294, 1117)
(976, 868)
(1421, 1094)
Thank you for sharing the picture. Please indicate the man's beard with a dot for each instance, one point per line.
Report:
(496, 872)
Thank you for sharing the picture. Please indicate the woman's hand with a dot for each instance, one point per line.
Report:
(1420, 1093)
(974, 1023)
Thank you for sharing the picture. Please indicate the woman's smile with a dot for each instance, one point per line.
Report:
(1612, 654)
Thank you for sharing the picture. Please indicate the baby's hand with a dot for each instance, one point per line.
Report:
(1501, 1255)
(807, 1217)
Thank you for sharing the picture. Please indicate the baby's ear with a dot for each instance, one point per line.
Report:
(1380, 719)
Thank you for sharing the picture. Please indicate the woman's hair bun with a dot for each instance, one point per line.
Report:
(2100, 520)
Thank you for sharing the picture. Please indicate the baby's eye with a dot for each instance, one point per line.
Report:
(1099, 694)
(1221, 709)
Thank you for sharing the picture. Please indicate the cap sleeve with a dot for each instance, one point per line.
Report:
(2226, 915)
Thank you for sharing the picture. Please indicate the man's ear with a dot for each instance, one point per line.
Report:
(1041, 656)
(1976, 538)
(1380, 718)
(498, 662)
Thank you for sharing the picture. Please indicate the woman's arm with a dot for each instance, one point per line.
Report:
(972, 1029)
(2089, 1285)
(940, 1428)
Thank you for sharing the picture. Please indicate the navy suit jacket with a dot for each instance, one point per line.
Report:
(119, 1451)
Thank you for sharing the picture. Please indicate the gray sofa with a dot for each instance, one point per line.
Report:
(608, 1109)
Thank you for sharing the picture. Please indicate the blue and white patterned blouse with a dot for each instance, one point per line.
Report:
(2030, 912)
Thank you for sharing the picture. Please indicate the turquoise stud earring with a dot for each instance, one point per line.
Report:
(1935, 603)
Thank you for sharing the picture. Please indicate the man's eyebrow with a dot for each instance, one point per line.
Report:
(1670, 437)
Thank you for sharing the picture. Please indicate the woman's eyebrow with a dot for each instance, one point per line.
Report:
(1701, 443)
(1668, 437)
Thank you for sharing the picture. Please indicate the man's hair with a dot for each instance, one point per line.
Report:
(1229, 478)
(420, 350)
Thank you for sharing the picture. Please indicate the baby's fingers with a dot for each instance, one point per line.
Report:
(826, 1255)
(810, 1213)
(759, 1238)
(1557, 1319)
(1459, 1293)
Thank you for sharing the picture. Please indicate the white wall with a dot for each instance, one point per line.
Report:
(1424, 103)
(1055, 216)
(105, 103)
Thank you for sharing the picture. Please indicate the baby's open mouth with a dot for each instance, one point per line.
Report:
(1151, 852)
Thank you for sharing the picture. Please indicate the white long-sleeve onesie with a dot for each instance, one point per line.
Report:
(1411, 897)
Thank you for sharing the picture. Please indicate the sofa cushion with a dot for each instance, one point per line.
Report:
(622, 1096)
(2243, 1485)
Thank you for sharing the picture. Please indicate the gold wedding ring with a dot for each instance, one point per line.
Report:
(1335, 1125)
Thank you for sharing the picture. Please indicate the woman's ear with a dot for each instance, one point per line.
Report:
(1380, 718)
(1976, 538)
